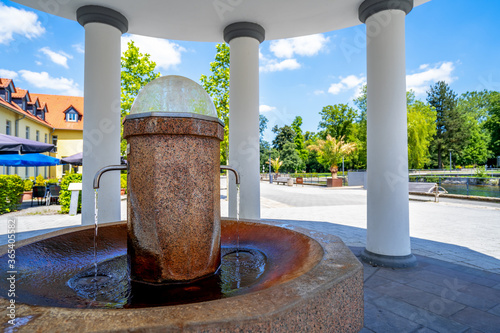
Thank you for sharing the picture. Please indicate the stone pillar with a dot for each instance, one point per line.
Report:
(244, 39)
(388, 235)
(101, 122)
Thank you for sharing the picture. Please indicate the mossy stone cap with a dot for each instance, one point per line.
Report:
(175, 94)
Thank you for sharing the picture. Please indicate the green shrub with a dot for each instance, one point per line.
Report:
(481, 172)
(123, 181)
(28, 185)
(40, 181)
(52, 181)
(65, 195)
(11, 190)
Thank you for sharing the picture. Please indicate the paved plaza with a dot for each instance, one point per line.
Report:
(454, 288)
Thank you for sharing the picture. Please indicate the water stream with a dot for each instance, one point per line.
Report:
(96, 227)
(237, 219)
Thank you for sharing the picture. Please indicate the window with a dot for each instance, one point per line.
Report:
(27, 132)
(8, 127)
(37, 135)
(7, 95)
(45, 138)
(54, 142)
(71, 116)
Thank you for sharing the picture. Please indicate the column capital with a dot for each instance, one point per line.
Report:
(244, 29)
(371, 7)
(99, 14)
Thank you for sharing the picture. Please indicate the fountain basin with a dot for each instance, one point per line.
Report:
(312, 283)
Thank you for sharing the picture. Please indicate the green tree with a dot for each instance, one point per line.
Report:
(262, 125)
(331, 151)
(291, 158)
(358, 134)
(217, 86)
(493, 123)
(299, 139)
(284, 134)
(475, 105)
(337, 120)
(137, 70)
(421, 120)
(451, 130)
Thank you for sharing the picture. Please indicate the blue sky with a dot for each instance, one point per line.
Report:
(453, 40)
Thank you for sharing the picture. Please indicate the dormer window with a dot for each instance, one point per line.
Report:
(71, 116)
(7, 95)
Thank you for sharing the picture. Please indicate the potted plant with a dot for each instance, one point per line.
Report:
(123, 183)
(330, 153)
(28, 190)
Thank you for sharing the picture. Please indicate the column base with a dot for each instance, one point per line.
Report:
(388, 261)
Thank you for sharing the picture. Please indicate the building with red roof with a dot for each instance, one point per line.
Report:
(45, 118)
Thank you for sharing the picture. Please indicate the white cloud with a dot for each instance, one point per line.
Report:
(319, 92)
(303, 46)
(59, 58)
(347, 83)
(166, 54)
(44, 80)
(420, 82)
(20, 22)
(79, 48)
(266, 108)
(274, 65)
(7, 74)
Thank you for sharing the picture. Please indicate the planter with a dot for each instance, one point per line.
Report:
(27, 195)
(330, 182)
(122, 191)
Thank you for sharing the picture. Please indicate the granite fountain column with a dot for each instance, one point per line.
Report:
(173, 189)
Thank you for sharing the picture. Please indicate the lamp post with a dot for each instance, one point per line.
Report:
(270, 174)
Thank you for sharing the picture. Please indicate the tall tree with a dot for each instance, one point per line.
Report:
(421, 119)
(137, 70)
(493, 123)
(337, 120)
(217, 86)
(358, 135)
(299, 139)
(291, 158)
(262, 125)
(474, 106)
(283, 135)
(451, 131)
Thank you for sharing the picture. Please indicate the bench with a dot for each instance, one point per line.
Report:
(283, 180)
(426, 188)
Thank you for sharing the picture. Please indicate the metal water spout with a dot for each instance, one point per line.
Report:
(97, 177)
(236, 174)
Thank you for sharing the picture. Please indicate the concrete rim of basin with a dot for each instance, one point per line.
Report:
(328, 297)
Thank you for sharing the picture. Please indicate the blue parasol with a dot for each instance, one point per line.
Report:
(28, 160)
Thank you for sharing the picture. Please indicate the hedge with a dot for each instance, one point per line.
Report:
(11, 190)
(65, 195)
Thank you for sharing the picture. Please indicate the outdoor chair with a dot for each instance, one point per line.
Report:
(39, 193)
(53, 194)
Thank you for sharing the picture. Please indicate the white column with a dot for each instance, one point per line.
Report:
(388, 235)
(101, 122)
(244, 39)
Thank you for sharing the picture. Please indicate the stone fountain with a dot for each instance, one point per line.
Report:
(175, 265)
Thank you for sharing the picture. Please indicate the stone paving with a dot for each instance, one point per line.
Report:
(454, 288)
